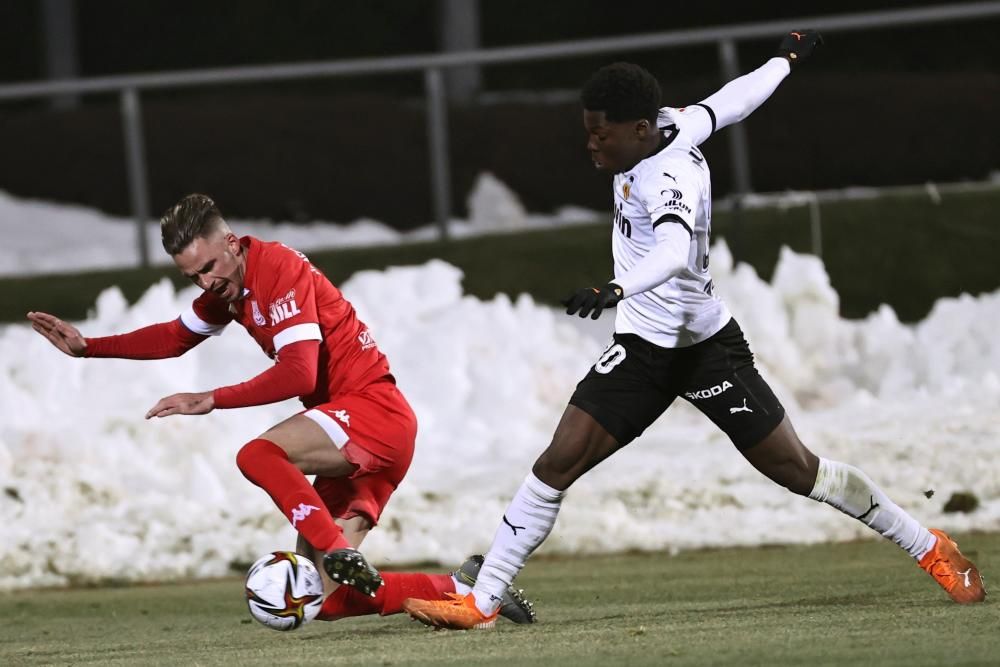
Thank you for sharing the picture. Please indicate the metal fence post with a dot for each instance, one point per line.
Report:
(737, 133)
(135, 160)
(738, 152)
(815, 225)
(437, 134)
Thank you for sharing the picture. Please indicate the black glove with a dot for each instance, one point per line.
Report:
(591, 298)
(799, 45)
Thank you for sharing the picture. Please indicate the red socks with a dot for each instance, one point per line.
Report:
(266, 465)
(345, 601)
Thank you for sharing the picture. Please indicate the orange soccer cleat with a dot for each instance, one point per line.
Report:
(954, 572)
(458, 613)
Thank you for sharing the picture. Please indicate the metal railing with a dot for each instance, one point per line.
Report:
(129, 86)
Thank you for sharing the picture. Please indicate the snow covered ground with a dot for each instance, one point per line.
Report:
(90, 490)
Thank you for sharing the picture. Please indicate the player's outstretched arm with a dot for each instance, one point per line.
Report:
(741, 96)
(157, 341)
(200, 403)
(64, 336)
(293, 375)
(666, 259)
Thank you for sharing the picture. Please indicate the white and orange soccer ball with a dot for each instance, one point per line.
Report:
(284, 590)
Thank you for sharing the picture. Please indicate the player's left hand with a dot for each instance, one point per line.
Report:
(799, 45)
(593, 299)
(183, 404)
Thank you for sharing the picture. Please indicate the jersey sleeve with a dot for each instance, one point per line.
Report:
(740, 97)
(669, 200)
(208, 315)
(291, 310)
(696, 122)
(158, 341)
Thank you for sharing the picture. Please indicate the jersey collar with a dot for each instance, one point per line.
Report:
(665, 142)
(253, 249)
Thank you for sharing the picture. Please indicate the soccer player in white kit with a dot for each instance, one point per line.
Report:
(674, 337)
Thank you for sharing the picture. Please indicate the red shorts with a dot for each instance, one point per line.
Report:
(375, 429)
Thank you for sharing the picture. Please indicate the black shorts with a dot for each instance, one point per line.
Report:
(635, 381)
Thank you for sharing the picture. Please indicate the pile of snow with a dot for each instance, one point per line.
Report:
(89, 490)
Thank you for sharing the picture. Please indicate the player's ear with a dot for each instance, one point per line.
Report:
(642, 128)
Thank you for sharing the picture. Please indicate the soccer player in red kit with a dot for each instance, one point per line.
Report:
(357, 432)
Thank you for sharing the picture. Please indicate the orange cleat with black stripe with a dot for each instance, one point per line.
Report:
(954, 572)
(457, 613)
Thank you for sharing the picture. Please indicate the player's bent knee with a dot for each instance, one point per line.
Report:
(252, 456)
(795, 473)
(559, 467)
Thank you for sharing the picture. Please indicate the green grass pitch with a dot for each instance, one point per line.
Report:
(862, 603)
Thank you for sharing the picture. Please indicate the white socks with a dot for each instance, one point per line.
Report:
(526, 523)
(853, 493)
(460, 587)
(532, 513)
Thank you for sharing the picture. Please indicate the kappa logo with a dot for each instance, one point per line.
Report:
(342, 416)
(301, 512)
(258, 317)
(710, 392)
(366, 340)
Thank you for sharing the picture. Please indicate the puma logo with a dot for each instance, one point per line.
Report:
(870, 509)
(733, 411)
(966, 575)
(512, 526)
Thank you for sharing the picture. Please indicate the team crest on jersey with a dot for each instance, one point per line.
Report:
(626, 189)
(284, 308)
(366, 340)
(258, 317)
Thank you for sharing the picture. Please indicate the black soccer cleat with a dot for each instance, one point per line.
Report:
(349, 567)
(514, 606)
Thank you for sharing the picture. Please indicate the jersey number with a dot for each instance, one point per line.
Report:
(612, 356)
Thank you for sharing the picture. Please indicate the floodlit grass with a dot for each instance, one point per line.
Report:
(861, 603)
(902, 250)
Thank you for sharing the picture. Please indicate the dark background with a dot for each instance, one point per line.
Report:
(878, 107)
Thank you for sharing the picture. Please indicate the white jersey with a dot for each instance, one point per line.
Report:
(670, 187)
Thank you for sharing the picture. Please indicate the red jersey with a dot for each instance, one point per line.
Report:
(285, 300)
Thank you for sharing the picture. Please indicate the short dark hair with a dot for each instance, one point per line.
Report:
(192, 217)
(623, 91)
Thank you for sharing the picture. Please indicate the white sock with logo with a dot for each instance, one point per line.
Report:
(853, 493)
(526, 523)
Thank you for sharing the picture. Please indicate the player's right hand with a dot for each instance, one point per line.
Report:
(593, 299)
(799, 45)
(65, 337)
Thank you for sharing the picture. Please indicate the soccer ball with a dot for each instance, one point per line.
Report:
(284, 590)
